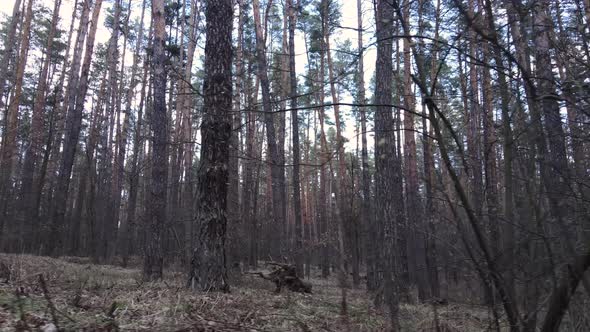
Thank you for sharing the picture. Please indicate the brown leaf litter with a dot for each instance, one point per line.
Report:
(79, 296)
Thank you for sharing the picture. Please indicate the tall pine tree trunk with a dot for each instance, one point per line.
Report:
(128, 227)
(278, 202)
(9, 155)
(415, 226)
(368, 228)
(156, 218)
(9, 49)
(31, 160)
(77, 96)
(429, 174)
(235, 221)
(385, 156)
(291, 7)
(208, 270)
(339, 189)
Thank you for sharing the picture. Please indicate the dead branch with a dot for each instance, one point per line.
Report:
(285, 275)
(52, 309)
(50, 304)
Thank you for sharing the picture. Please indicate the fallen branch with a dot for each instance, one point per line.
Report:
(52, 309)
(50, 304)
(19, 301)
(207, 324)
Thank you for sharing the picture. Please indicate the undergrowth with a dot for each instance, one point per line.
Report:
(80, 296)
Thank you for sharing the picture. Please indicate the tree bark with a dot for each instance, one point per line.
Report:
(77, 96)
(127, 238)
(339, 188)
(156, 218)
(415, 225)
(234, 219)
(278, 202)
(292, 10)
(368, 229)
(57, 120)
(429, 173)
(9, 49)
(208, 266)
(31, 160)
(324, 162)
(385, 154)
(9, 153)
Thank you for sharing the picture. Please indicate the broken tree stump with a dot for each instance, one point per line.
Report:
(285, 275)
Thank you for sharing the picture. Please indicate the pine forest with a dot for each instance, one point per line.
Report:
(295, 165)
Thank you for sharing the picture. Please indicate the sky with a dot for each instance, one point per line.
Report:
(348, 19)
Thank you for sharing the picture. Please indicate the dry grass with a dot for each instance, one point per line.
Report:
(107, 298)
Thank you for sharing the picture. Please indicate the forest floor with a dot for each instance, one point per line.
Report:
(81, 296)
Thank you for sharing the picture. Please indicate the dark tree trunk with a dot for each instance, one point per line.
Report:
(54, 135)
(249, 180)
(415, 225)
(31, 160)
(77, 96)
(235, 231)
(368, 228)
(387, 216)
(291, 7)
(9, 50)
(324, 162)
(208, 267)
(9, 154)
(156, 218)
(278, 201)
(127, 239)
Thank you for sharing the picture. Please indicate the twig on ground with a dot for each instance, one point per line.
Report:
(52, 309)
(21, 309)
(50, 304)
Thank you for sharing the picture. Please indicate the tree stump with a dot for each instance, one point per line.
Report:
(285, 275)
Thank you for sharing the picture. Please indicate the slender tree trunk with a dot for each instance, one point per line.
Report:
(324, 160)
(126, 239)
(339, 188)
(153, 259)
(366, 211)
(88, 175)
(187, 132)
(385, 155)
(9, 49)
(113, 107)
(429, 171)
(490, 156)
(278, 202)
(415, 225)
(473, 121)
(31, 160)
(177, 79)
(507, 231)
(56, 125)
(292, 11)
(77, 96)
(235, 230)
(9, 155)
(249, 163)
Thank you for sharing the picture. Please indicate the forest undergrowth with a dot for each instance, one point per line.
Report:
(70, 294)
